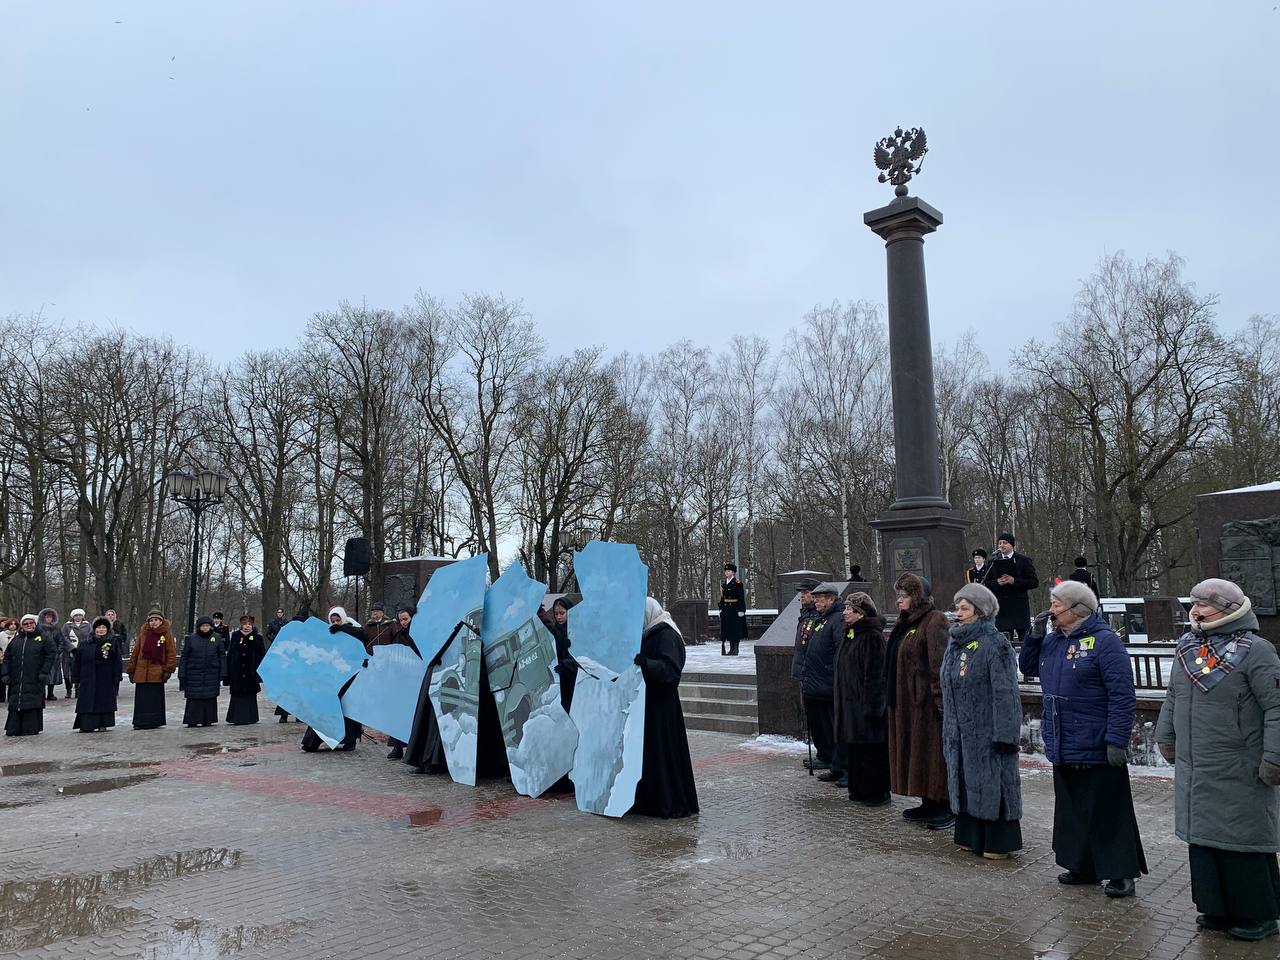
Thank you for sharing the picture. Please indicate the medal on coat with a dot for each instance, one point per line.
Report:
(964, 662)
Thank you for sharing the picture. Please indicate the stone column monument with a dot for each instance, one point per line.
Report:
(920, 533)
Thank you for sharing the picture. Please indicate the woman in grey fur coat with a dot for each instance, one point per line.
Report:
(1220, 727)
(982, 727)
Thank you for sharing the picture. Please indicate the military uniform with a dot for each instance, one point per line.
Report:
(733, 615)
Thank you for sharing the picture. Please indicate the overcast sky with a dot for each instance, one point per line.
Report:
(634, 173)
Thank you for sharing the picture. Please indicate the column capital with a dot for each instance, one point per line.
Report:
(904, 218)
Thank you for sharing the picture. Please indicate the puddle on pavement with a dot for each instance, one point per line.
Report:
(192, 939)
(426, 818)
(214, 749)
(36, 913)
(103, 786)
(71, 766)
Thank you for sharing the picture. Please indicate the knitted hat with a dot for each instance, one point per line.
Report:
(247, 617)
(862, 603)
(983, 600)
(1009, 537)
(1076, 597)
(155, 612)
(77, 610)
(26, 617)
(1220, 594)
(377, 605)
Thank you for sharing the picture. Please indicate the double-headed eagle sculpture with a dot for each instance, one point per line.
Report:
(900, 157)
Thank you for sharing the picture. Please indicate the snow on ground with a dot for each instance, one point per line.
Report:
(705, 658)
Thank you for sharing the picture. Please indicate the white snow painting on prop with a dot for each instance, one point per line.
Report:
(454, 595)
(304, 670)
(519, 654)
(608, 698)
(384, 695)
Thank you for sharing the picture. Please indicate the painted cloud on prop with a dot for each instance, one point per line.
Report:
(304, 670)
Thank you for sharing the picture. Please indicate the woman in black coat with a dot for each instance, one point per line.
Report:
(566, 666)
(98, 665)
(666, 788)
(244, 652)
(201, 669)
(27, 665)
(861, 694)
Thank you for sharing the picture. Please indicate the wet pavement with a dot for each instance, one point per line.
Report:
(231, 842)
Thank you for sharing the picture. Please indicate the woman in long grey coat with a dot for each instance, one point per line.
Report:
(1220, 726)
(982, 727)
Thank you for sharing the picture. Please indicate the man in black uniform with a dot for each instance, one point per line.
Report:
(1011, 576)
(805, 623)
(733, 611)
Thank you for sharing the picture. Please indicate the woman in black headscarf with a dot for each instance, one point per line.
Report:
(666, 788)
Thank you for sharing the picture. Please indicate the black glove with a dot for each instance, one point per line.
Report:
(1040, 626)
(335, 627)
(639, 661)
(556, 668)
(1117, 756)
(1006, 747)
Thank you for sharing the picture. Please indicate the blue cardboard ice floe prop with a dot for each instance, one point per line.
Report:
(384, 695)
(304, 670)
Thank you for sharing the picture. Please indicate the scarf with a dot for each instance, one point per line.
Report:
(153, 642)
(1208, 660)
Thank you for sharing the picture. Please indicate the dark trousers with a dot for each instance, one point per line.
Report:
(820, 713)
(1241, 888)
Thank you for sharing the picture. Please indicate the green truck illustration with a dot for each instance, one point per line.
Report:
(520, 673)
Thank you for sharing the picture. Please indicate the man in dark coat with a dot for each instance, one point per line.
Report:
(379, 628)
(1011, 576)
(27, 665)
(916, 648)
(99, 666)
(666, 787)
(1081, 574)
(221, 627)
(804, 629)
(818, 684)
(733, 611)
(276, 625)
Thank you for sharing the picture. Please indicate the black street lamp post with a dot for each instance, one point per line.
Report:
(197, 492)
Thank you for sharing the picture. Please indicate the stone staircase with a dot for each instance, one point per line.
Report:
(722, 702)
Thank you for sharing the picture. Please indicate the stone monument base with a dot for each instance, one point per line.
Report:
(926, 541)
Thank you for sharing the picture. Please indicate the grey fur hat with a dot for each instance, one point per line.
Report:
(983, 600)
(1220, 594)
(1076, 597)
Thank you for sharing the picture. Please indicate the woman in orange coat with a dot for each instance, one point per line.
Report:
(151, 662)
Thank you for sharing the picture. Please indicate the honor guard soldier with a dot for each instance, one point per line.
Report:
(733, 611)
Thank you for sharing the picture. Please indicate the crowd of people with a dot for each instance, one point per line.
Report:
(932, 711)
(37, 654)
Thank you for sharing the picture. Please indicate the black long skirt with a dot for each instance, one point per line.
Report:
(148, 706)
(666, 787)
(1095, 831)
(24, 723)
(89, 722)
(243, 708)
(1242, 889)
(425, 749)
(201, 713)
(988, 836)
(868, 771)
